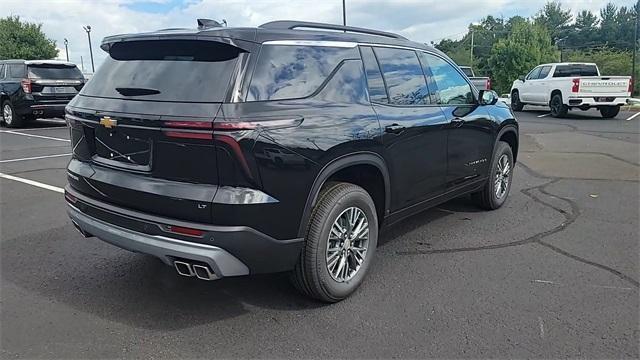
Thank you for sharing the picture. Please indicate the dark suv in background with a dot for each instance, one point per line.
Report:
(31, 89)
(235, 151)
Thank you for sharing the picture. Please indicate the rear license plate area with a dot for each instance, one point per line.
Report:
(123, 147)
(604, 99)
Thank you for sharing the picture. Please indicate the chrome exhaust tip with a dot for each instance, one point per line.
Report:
(204, 273)
(184, 268)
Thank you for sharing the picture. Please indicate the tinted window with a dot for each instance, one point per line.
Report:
(54, 72)
(377, 92)
(15, 70)
(467, 71)
(534, 74)
(431, 82)
(452, 87)
(544, 72)
(165, 70)
(575, 70)
(403, 75)
(288, 72)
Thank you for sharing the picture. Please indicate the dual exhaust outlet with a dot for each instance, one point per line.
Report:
(201, 271)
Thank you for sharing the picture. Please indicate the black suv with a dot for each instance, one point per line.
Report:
(235, 151)
(36, 89)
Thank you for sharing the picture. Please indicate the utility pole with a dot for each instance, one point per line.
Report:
(82, 63)
(634, 78)
(66, 47)
(471, 64)
(344, 13)
(88, 30)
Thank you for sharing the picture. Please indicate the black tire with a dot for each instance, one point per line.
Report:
(311, 275)
(558, 109)
(609, 112)
(15, 120)
(516, 105)
(488, 198)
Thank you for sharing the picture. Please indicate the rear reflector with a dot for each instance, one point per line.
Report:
(185, 231)
(631, 85)
(70, 198)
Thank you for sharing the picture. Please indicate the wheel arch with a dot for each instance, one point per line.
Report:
(553, 93)
(339, 165)
(509, 134)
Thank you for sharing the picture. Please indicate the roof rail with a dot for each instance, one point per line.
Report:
(290, 25)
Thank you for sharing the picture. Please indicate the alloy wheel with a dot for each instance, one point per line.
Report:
(347, 244)
(7, 114)
(502, 176)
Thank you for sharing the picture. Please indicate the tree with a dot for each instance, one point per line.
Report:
(555, 19)
(528, 45)
(24, 40)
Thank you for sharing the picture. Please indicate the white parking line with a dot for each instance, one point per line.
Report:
(32, 135)
(32, 183)
(42, 128)
(543, 115)
(633, 116)
(33, 158)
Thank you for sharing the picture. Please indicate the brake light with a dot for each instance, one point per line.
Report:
(488, 84)
(576, 85)
(185, 231)
(630, 90)
(26, 85)
(189, 130)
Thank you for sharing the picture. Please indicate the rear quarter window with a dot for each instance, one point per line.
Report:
(293, 71)
(16, 71)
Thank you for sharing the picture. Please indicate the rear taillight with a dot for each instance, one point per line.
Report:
(201, 130)
(257, 124)
(488, 84)
(26, 85)
(630, 90)
(185, 231)
(576, 85)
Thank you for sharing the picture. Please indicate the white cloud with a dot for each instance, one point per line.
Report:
(419, 20)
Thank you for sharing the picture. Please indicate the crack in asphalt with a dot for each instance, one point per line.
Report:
(570, 218)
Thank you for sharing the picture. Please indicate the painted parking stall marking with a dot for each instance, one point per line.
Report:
(32, 183)
(633, 116)
(33, 158)
(33, 135)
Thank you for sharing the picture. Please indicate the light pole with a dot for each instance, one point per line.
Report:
(344, 13)
(66, 47)
(88, 30)
(634, 78)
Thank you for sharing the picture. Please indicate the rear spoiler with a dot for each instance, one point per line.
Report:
(174, 34)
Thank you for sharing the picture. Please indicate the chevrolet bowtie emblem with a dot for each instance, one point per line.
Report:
(108, 122)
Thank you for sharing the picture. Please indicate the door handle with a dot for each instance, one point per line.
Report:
(394, 129)
(457, 122)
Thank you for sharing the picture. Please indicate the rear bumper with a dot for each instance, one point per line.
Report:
(41, 108)
(228, 250)
(167, 249)
(592, 102)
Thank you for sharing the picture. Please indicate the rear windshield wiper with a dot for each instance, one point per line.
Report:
(131, 91)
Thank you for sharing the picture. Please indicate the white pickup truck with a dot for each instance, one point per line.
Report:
(480, 82)
(564, 86)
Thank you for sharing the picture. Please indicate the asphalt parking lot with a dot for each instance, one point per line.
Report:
(554, 273)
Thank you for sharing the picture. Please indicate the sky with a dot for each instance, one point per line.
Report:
(418, 20)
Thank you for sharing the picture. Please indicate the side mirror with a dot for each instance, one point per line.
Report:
(521, 78)
(488, 97)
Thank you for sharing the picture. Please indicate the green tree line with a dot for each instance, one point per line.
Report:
(507, 48)
(24, 40)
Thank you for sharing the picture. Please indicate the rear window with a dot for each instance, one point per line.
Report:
(54, 72)
(291, 71)
(165, 70)
(467, 71)
(575, 70)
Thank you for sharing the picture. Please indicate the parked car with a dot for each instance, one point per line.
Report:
(564, 86)
(36, 89)
(171, 163)
(481, 83)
